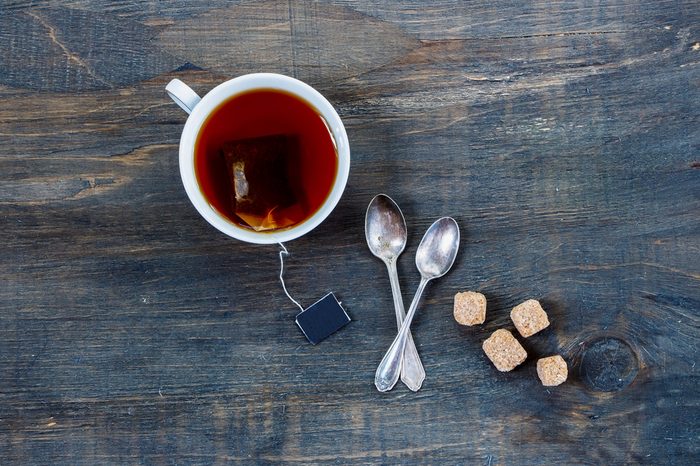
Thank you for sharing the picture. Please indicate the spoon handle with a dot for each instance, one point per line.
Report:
(412, 372)
(390, 368)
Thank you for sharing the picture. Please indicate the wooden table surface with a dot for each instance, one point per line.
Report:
(564, 138)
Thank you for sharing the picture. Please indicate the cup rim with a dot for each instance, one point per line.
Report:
(239, 85)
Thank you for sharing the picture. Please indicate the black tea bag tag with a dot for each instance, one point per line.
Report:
(322, 319)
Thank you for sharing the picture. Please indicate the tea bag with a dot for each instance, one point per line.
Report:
(320, 320)
(258, 170)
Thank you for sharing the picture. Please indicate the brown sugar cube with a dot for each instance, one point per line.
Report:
(470, 308)
(552, 371)
(504, 351)
(529, 317)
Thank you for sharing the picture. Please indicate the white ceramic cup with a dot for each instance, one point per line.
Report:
(200, 108)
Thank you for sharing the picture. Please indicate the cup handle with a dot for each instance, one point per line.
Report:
(183, 95)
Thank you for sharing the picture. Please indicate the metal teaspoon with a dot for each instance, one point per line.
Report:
(434, 258)
(385, 230)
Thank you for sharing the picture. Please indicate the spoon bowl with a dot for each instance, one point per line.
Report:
(438, 248)
(385, 228)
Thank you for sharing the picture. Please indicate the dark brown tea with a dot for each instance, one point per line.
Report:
(265, 159)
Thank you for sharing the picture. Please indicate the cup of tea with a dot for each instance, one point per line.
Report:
(264, 157)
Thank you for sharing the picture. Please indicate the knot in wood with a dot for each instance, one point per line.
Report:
(608, 364)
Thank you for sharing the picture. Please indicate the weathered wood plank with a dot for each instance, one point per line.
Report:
(289, 39)
(62, 49)
(562, 137)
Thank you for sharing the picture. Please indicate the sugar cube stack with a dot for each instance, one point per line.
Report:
(502, 348)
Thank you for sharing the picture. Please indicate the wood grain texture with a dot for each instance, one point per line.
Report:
(62, 49)
(563, 137)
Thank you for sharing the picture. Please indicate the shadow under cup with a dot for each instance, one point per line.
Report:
(265, 160)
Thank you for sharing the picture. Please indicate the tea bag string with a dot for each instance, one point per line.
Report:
(284, 252)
